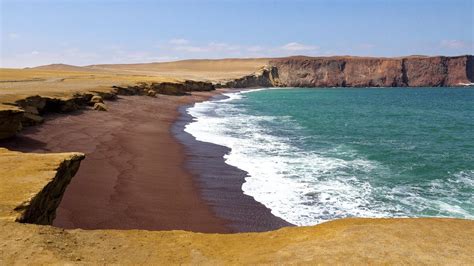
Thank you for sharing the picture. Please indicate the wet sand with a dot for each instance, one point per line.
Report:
(221, 184)
(138, 175)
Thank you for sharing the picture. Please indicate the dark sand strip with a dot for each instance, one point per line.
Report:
(221, 184)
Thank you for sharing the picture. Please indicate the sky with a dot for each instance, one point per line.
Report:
(84, 32)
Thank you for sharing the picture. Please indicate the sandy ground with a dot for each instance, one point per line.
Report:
(60, 80)
(133, 175)
(199, 69)
(138, 174)
(346, 241)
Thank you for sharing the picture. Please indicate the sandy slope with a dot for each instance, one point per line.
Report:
(205, 70)
(20, 83)
(61, 80)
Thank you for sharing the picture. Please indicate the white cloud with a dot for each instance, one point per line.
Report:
(165, 58)
(178, 41)
(190, 49)
(206, 48)
(255, 48)
(167, 50)
(366, 46)
(454, 44)
(222, 49)
(294, 46)
(13, 36)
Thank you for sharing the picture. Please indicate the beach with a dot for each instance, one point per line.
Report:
(185, 178)
(137, 175)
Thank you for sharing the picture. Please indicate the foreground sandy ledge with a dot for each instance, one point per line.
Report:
(32, 185)
(25, 177)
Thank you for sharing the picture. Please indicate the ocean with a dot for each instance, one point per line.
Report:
(314, 155)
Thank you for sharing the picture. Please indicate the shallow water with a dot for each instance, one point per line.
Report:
(319, 154)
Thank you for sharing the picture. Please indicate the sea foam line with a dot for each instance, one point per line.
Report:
(308, 187)
(280, 175)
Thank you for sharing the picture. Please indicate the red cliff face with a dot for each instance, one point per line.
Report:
(374, 72)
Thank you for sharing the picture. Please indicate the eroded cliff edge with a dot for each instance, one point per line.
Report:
(30, 185)
(346, 71)
(28, 110)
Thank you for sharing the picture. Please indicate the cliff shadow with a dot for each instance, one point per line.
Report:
(470, 68)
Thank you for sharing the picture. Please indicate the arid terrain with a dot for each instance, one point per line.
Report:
(413, 241)
(32, 184)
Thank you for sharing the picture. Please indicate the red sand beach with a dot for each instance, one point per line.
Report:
(132, 176)
(135, 174)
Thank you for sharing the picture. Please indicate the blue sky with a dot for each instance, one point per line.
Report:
(82, 32)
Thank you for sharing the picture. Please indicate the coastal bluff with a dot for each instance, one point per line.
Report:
(349, 71)
(32, 184)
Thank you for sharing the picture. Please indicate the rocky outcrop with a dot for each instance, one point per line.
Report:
(96, 99)
(165, 88)
(415, 71)
(265, 77)
(100, 107)
(10, 121)
(32, 185)
(35, 107)
(32, 108)
(151, 93)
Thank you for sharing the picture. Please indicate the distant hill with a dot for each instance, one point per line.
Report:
(196, 69)
(61, 67)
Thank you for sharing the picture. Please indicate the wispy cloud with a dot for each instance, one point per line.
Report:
(167, 50)
(76, 56)
(13, 36)
(206, 48)
(454, 44)
(186, 48)
(255, 48)
(366, 46)
(178, 41)
(295, 46)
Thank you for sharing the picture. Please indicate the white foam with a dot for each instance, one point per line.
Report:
(305, 187)
(300, 187)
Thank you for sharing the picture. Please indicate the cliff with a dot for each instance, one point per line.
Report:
(10, 120)
(28, 110)
(32, 185)
(347, 71)
(415, 71)
(266, 76)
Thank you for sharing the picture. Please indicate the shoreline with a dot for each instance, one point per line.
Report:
(220, 183)
(132, 177)
(354, 240)
(122, 185)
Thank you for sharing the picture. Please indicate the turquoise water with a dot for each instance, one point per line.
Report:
(319, 154)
